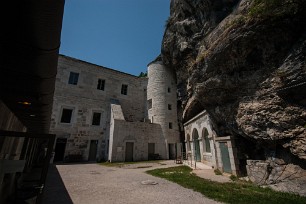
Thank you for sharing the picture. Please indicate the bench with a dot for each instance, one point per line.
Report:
(178, 160)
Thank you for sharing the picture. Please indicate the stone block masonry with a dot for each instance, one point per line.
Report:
(97, 111)
(162, 101)
(85, 98)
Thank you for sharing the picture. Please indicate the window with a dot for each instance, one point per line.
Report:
(149, 104)
(66, 115)
(101, 84)
(169, 90)
(73, 78)
(169, 107)
(96, 118)
(124, 89)
(206, 140)
(170, 125)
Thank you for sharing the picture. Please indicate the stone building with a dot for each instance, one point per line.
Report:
(162, 104)
(103, 114)
(203, 145)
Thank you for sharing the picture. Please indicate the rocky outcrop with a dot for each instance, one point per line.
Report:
(244, 62)
(278, 175)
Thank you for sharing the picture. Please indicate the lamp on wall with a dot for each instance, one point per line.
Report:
(24, 103)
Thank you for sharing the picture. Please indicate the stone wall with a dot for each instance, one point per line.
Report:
(139, 133)
(8, 121)
(161, 100)
(85, 99)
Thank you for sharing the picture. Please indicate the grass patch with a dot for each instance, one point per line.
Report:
(274, 8)
(121, 164)
(232, 192)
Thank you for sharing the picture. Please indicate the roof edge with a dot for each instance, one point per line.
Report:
(100, 66)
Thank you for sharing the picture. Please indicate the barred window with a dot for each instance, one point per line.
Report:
(101, 84)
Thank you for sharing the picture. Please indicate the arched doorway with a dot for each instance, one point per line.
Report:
(196, 145)
(206, 144)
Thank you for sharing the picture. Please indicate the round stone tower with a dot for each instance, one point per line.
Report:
(162, 103)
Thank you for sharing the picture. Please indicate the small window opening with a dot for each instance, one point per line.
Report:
(73, 78)
(149, 104)
(96, 118)
(169, 107)
(124, 89)
(66, 115)
(101, 84)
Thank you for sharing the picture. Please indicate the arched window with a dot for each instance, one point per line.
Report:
(195, 135)
(206, 140)
(196, 145)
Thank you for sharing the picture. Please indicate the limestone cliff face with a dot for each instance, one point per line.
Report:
(243, 61)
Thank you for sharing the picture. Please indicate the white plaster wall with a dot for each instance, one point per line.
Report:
(200, 122)
(160, 79)
(111, 136)
(140, 134)
(232, 150)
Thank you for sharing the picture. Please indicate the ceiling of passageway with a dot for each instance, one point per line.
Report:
(30, 40)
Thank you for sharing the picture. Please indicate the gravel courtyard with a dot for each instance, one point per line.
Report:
(97, 184)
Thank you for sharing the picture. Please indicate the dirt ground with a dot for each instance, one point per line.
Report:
(97, 184)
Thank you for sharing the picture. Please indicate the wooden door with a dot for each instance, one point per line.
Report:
(225, 157)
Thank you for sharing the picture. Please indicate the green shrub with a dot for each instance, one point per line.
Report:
(234, 178)
(218, 172)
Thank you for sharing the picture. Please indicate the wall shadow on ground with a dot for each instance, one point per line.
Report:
(55, 190)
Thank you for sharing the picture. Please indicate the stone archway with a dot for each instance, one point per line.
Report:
(196, 145)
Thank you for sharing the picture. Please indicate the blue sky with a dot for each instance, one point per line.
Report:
(124, 35)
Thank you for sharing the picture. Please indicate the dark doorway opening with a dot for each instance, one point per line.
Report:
(129, 147)
(151, 151)
(172, 151)
(93, 150)
(60, 149)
